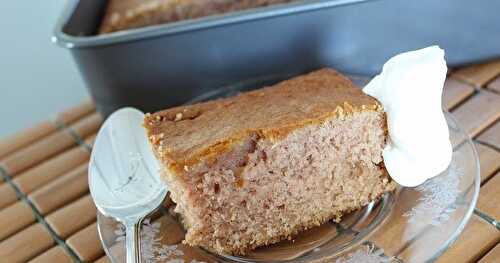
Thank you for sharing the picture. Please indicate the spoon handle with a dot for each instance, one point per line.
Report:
(131, 236)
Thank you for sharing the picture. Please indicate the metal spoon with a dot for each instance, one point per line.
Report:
(123, 174)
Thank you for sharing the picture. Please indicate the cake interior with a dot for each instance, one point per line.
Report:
(263, 191)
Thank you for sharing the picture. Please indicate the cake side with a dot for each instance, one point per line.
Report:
(183, 136)
(258, 168)
(125, 14)
(264, 191)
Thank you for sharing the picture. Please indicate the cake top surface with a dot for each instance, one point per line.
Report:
(183, 135)
(125, 14)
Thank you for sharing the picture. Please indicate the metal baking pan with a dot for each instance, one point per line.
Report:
(160, 66)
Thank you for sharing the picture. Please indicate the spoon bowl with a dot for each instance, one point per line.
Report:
(123, 174)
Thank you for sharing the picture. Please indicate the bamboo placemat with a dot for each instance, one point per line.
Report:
(47, 215)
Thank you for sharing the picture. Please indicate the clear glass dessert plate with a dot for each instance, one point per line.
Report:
(409, 225)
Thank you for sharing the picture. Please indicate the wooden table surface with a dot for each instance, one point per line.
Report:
(47, 215)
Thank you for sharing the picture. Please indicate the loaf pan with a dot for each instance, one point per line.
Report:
(165, 65)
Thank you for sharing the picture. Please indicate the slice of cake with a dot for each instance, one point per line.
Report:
(257, 168)
(125, 14)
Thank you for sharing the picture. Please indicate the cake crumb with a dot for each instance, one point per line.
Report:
(115, 18)
(340, 112)
(348, 107)
(129, 14)
(178, 116)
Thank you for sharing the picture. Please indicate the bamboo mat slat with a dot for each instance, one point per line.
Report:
(86, 244)
(104, 259)
(75, 113)
(19, 140)
(26, 244)
(492, 256)
(37, 152)
(478, 75)
(7, 195)
(478, 112)
(495, 85)
(56, 254)
(491, 136)
(488, 200)
(51, 169)
(456, 92)
(47, 214)
(60, 191)
(477, 238)
(489, 160)
(14, 218)
(73, 217)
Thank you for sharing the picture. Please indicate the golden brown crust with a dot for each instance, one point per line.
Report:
(183, 136)
(125, 14)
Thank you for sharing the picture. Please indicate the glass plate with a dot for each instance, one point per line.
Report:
(409, 225)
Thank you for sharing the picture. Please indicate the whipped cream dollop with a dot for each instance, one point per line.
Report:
(410, 89)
